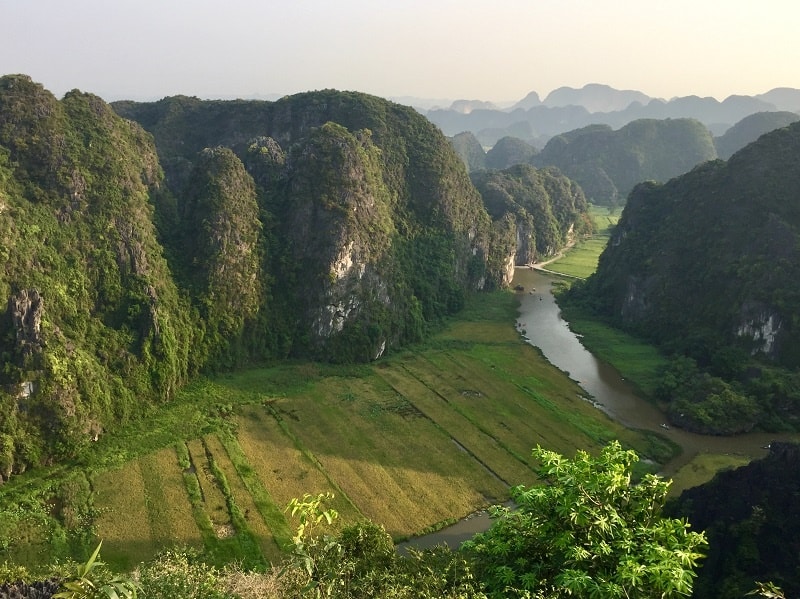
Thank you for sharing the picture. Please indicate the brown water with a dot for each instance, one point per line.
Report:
(540, 319)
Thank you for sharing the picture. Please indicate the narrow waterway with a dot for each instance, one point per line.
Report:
(541, 325)
(540, 319)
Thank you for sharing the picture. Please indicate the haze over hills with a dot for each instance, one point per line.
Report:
(566, 109)
(751, 128)
(595, 97)
(607, 163)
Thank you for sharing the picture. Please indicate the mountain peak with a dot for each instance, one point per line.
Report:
(595, 97)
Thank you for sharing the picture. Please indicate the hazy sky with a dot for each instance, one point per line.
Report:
(472, 49)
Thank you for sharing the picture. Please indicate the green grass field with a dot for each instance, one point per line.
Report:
(580, 261)
(413, 442)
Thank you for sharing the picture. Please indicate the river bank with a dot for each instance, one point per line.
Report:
(540, 324)
(540, 318)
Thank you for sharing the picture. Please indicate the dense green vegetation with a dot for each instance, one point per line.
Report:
(356, 194)
(536, 212)
(587, 532)
(94, 330)
(705, 267)
(607, 164)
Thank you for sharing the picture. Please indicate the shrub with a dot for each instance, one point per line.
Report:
(180, 574)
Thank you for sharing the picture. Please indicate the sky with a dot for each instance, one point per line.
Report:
(495, 50)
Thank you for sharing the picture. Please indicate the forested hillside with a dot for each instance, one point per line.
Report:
(212, 235)
(372, 230)
(608, 164)
(706, 265)
(469, 150)
(509, 151)
(535, 212)
(94, 328)
(340, 241)
(750, 129)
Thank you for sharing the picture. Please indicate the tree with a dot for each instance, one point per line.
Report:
(587, 531)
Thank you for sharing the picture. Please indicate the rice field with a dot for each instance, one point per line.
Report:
(580, 261)
(123, 522)
(166, 500)
(412, 442)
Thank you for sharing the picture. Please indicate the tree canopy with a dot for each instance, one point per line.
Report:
(588, 530)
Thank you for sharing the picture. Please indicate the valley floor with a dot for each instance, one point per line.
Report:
(412, 442)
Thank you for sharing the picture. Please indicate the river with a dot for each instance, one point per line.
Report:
(540, 319)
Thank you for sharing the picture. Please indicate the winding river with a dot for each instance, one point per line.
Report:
(540, 319)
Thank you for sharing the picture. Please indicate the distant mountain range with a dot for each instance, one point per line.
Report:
(608, 163)
(566, 109)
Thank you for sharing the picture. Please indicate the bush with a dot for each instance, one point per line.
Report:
(180, 574)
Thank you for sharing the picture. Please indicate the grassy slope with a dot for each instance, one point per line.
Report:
(412, 442)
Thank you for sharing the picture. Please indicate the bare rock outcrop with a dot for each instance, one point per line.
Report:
(26, 308)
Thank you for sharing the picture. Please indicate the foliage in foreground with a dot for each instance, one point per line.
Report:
(89, 581)
(587, 531)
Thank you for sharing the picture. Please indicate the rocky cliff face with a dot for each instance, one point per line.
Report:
(354, 192)
(222, 240)
(26, 308)
(536, 212)
(336, 218)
